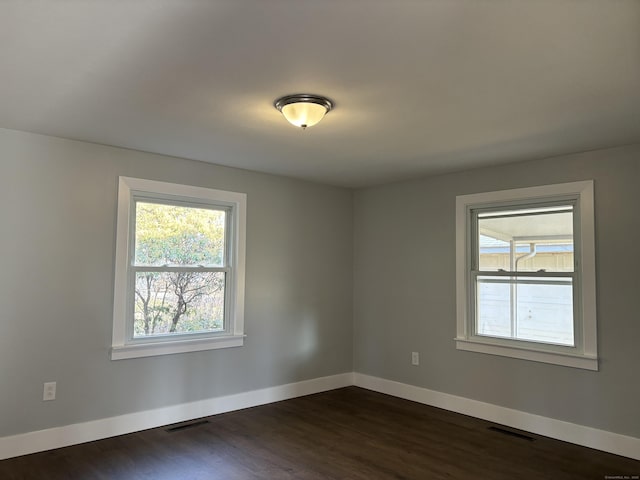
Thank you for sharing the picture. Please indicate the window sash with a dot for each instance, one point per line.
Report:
(512, 209)
(132, 268)
(516, 322)
(497, 210)
(229, 231)
(163, 337)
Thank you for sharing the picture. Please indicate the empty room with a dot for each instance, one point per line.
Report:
(359, 239)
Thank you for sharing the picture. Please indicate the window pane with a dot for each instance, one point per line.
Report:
(494, 307)
(178, 302)
(494, 254)
(529, 309)
(545, 310)
(176, 235)
(526, 240)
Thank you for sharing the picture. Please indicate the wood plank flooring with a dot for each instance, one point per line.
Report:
(350, 433)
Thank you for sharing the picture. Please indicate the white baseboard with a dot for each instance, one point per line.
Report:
(32, 442)
(58, 437)
(548, 427)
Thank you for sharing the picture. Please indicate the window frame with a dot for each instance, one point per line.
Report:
(584, 352)
(130, 191)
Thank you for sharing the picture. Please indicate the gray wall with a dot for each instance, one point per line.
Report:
(57, 214)
(404, 298)
(309, 249)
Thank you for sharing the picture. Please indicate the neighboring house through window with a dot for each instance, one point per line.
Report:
(179, 276)
(526, 274)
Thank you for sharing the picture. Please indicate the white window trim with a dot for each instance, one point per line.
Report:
(585, 356)
(122, 347)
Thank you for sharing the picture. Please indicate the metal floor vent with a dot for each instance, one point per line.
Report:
(185, 426)
(512, 434)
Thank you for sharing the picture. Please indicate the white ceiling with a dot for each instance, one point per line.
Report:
(420, 86)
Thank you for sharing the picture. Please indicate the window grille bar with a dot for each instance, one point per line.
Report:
(178, 269)
(536, 274)
(507, 281)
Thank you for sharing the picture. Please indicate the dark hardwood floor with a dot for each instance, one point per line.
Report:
(349, 433)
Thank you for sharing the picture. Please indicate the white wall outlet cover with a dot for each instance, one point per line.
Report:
(49, 391)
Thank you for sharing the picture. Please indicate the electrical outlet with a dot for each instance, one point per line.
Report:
(415, 358)
(49, 391)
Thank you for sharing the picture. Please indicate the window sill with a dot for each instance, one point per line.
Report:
(586, 362)
(120, 352)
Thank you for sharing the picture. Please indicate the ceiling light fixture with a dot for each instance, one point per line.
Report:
(303, 110)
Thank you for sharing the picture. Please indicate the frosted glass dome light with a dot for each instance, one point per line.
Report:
(303, 110)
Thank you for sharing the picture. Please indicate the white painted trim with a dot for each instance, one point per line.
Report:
(549, 427)
(32, 442)
(122, 344)
(586, 362)
(38, 441)
(585, 354)
(177, 346)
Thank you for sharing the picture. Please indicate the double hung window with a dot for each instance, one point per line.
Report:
(526, 280)
(179, 269)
